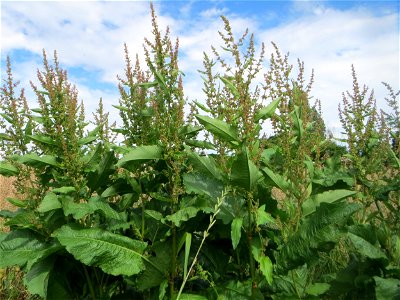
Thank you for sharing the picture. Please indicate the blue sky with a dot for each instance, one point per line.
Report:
(329, 36)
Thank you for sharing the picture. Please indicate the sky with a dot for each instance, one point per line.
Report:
(329, 36)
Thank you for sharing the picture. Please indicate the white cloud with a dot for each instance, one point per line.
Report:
(330, 41)
(90, 35)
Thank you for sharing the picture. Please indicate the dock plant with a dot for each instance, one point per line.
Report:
(195, 199)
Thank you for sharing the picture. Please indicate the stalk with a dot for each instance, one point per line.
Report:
(205, 235)
(251, 258)
(92, 293)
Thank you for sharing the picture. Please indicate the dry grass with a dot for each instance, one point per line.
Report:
(6, 190)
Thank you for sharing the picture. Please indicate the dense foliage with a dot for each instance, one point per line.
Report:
(201, 205)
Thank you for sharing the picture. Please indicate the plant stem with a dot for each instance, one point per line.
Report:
(92, 293)
(249, 238)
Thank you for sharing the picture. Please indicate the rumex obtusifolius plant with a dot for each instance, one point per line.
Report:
(167, 214)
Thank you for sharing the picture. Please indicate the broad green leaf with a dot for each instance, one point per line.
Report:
(236, 231)
(100, 176)
(198, 183)
(86, 140)
(44, 139)
(122, 108)
(98, 204)
(256, 248)
(37, 278)
(49, 202)
(189, 131)
(7, 169)
(118, 188)
(205, 165)
(263, 217)
(317, 289)
(153, 214)
(5, 137)
(268, 111)
(37, 161)
(113, 253)
(231, 87)
(22, 247)
(219, 128)
(266, 268)
(297, 122)
(157, 266)
(202, 107)
(162, 290)
(23, 219)
(140, 154)
(387, 288)
(200, 144)
(17, 202)
(77, 209)
(185, 296)
(366, 248)
(331, 196)
(182, 215)
(244, 172)
(277, 179)
(64, 190)
(147, 85)
(188, 244)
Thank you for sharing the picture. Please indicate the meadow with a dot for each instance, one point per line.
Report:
(199, 205)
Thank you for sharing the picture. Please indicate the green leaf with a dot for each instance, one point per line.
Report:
(205, 165)
(113, 253)
(185, 296)
(268, 111)
(7, 169)
(122, 108)
(22, 247)
(86, 140)
(263, 217)
(98, 204)
(202, 107)
(244, 172)
(49, 202)
(76, 209)
(17, 202)
(157, 266)
(277, 179)
(147, 85)
(37, 278)
(317, 289)
(23, 219)
(219, 128)
(266, 268)
(297, 122)
(140, 154)
(36, 161)
(200, 144)
(64, 190)
(387, 288)
(231, 87)
(182, 215)
(236, 231)
(44, 139)
(188, 243)
(198, 183)
(105, 168)
(310, 205)
(366, 248)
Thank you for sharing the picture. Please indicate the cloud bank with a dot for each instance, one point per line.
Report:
(89, 37)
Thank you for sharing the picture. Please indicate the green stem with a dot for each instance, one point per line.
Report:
(92, 293)
(173, 264)
(249, 238)
(143, 223)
